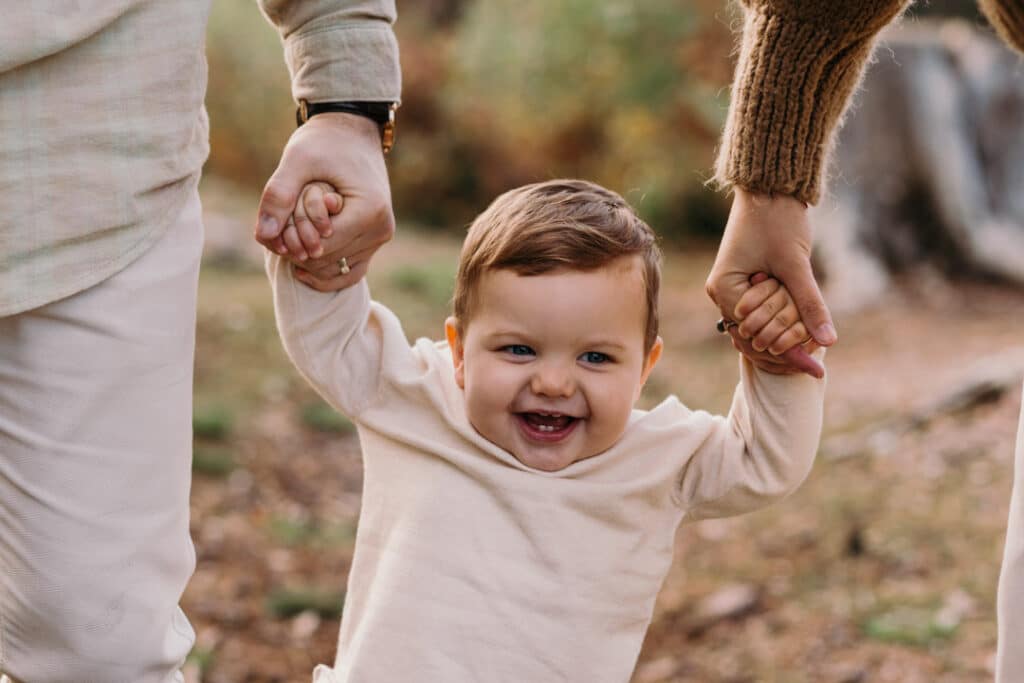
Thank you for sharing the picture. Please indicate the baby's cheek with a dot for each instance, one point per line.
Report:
(612, 412)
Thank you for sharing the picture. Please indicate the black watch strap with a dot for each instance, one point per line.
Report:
(381, 113)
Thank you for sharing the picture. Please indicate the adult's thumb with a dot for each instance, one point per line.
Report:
(807, 296)
(276, 204)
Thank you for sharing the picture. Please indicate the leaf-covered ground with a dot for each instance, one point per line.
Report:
(882, 567)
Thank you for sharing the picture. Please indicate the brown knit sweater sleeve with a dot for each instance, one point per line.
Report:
(1008, 18)
(799, 62)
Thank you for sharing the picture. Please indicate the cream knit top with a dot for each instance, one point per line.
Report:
(472, 567)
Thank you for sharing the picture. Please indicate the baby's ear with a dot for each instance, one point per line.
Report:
(652, 358)
(451, 333)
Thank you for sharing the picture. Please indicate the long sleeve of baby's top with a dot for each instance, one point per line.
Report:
(761, 452)
(799, 63)
(338, 50)
(335, 339)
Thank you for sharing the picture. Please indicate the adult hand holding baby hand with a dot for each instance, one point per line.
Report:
(770, 235)
(343, 151)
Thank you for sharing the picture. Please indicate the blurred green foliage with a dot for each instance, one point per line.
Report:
(495, 95)
(248, 97)
(310, 532)
(907, 625)
(203, 658)
(432, 282)
(284, 603)
(212, 422)
(321, 417)
(212, 462)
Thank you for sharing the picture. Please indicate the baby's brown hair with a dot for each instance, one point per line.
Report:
(542, 227)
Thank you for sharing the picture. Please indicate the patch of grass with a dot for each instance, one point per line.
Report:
(284, 603)
(212, 422)
(433, 282)
(213, 462)
(905, 625)
(323, 418)
(302, 532)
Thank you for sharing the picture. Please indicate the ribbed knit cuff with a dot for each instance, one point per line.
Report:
(792, 84)
(1008, 18)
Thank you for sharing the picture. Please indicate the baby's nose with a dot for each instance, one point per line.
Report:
(553, 380)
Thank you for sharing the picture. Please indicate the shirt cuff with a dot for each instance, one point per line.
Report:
(354, 62)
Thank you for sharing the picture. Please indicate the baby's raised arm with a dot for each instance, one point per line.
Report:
(761, 452)
(336, 339)
(766, 446)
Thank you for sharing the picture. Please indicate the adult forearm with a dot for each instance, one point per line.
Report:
(799, 63)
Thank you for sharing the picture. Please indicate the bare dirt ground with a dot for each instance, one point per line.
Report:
(883, 566)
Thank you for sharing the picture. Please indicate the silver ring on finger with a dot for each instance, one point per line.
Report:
(343, 266)
(724, 324)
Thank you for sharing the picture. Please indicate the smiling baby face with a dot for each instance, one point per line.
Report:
(552, 364)
(555, 325)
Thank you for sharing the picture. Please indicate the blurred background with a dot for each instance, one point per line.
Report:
(883, 567)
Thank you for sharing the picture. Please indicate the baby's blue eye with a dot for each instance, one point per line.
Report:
(595, 357)
(518, 350)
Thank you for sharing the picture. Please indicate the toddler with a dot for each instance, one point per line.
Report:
(518, 513)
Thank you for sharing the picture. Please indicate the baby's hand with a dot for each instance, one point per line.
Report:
(769, 318)
(311, 220)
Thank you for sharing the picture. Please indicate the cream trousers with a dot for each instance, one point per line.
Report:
(95, 463)
(1010, 654)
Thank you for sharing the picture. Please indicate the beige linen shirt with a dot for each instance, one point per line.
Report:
(471, 567)
(103, 131)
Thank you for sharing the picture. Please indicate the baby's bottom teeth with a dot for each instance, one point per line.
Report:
(546, 428)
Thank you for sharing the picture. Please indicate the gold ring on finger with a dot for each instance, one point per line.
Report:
(343, 266)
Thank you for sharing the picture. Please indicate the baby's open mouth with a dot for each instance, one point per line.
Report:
(547, 426)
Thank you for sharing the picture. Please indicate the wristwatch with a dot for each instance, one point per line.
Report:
(381, 113)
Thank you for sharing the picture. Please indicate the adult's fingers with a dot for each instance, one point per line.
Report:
(336, 281)
(762, 360)
(359, 227)
(789, 338)
(277, 245)
(798, 278)
(797, 359)
(331, 270)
